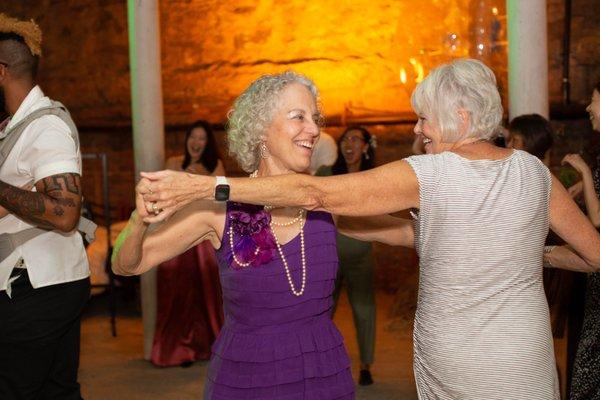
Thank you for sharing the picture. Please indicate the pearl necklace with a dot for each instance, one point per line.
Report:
(235, 259)
(270, 208)
(299, 219)
(289, 223)
(303, 256)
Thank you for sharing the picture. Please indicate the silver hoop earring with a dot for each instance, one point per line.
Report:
(264, 151)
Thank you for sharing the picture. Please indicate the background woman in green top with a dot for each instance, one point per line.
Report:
(356, 153)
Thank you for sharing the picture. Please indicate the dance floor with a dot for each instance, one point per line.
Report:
(114, 368)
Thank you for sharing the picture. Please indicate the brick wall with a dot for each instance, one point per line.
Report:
(212, 49)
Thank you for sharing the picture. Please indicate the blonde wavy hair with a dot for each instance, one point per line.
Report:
(253, 111)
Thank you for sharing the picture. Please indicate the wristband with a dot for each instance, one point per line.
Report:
(221, 189)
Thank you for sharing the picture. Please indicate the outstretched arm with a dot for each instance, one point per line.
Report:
(385, 229)
(140, 247)
(55, 205)
(383, 190)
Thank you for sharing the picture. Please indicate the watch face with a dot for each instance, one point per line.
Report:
(222, 192)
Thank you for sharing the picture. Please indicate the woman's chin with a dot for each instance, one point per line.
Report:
(302, 166)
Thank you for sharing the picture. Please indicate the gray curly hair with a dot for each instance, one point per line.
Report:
(253, 111)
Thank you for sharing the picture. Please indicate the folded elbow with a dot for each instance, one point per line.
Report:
(66, 219)
(117, 269)
(121, 272)
(128, 267)
(66, 225)
(117, 266)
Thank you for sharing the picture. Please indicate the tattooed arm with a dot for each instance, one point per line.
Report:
(55, 206)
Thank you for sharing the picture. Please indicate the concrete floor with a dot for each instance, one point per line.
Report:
(114, 368)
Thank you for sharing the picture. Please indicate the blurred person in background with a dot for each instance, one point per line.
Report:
(189, 305)
(585, 383)
(357, 153)
(533, 134)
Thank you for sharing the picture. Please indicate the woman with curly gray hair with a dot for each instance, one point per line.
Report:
(482, 329)
(277, 264)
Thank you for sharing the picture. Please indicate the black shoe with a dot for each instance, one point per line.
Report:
(186, 364)
(365, 378)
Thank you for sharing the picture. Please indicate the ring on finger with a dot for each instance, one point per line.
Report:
(155, 209)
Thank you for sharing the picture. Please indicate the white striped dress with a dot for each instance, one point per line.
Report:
(482, 326)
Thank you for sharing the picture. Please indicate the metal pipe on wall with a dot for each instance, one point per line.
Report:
(148, 124)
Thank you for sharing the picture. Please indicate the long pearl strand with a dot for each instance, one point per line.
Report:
(299, 219)
(285, 264)
(235, 259)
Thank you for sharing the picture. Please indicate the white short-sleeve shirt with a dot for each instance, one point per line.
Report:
(44, 149)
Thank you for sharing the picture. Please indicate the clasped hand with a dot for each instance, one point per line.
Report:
(160, 194)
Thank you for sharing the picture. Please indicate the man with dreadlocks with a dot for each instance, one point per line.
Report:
(44, 274)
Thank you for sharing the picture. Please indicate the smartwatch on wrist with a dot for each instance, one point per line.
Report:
(221, 189)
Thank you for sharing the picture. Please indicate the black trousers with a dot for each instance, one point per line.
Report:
(39, 339)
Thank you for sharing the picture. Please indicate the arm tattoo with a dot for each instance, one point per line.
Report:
(60, 182)
(21, 202)
(57, 195)
(60, 203)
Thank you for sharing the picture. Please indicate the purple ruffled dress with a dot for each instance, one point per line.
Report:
(275, 345)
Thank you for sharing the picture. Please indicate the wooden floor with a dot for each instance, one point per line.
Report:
(114, 368)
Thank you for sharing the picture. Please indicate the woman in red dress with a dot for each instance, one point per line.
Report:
(189, 309)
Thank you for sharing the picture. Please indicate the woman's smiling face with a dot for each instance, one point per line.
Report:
(196, 143)
(594, 110)
(295, 128)
(353, 146)
(430, 134)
